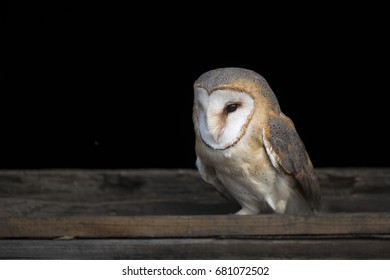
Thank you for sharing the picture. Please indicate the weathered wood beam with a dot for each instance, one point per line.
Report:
(194, 226)
(204, 248)
(333, 180)
(53, 193)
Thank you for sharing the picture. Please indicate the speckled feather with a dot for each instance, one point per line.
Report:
(292, 156)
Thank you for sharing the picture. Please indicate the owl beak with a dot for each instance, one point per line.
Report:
(216, 138)
(214, 129)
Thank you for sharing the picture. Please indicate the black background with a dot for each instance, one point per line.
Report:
(97, 86)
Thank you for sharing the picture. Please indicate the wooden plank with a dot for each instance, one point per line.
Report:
(53, 193)
(195, 249)
(194, 226)
(343, 181)
(356, 203)
(339, 180)
(53, 205)
(65, 205)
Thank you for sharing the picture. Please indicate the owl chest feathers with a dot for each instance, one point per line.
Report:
(246, 173)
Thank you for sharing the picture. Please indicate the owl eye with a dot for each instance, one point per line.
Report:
(230, 108)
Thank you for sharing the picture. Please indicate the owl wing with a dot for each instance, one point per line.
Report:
(288, 154)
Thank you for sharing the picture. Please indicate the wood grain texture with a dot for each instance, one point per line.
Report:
(65, 193)
(53, 193)
(195, 249)
(173, 214)
(194, 226)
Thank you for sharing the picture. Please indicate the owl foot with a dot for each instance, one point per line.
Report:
(281, 206)
(246, 211)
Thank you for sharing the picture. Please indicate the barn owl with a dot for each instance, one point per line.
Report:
(247, 148)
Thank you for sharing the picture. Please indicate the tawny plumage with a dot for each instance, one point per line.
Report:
(247, 148)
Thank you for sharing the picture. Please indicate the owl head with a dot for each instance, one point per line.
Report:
(225, 101)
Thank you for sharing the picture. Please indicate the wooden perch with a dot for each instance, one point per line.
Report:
(173, 214)
(64, 193)
(195, 226)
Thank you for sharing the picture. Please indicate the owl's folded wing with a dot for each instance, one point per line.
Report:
(288, 154)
